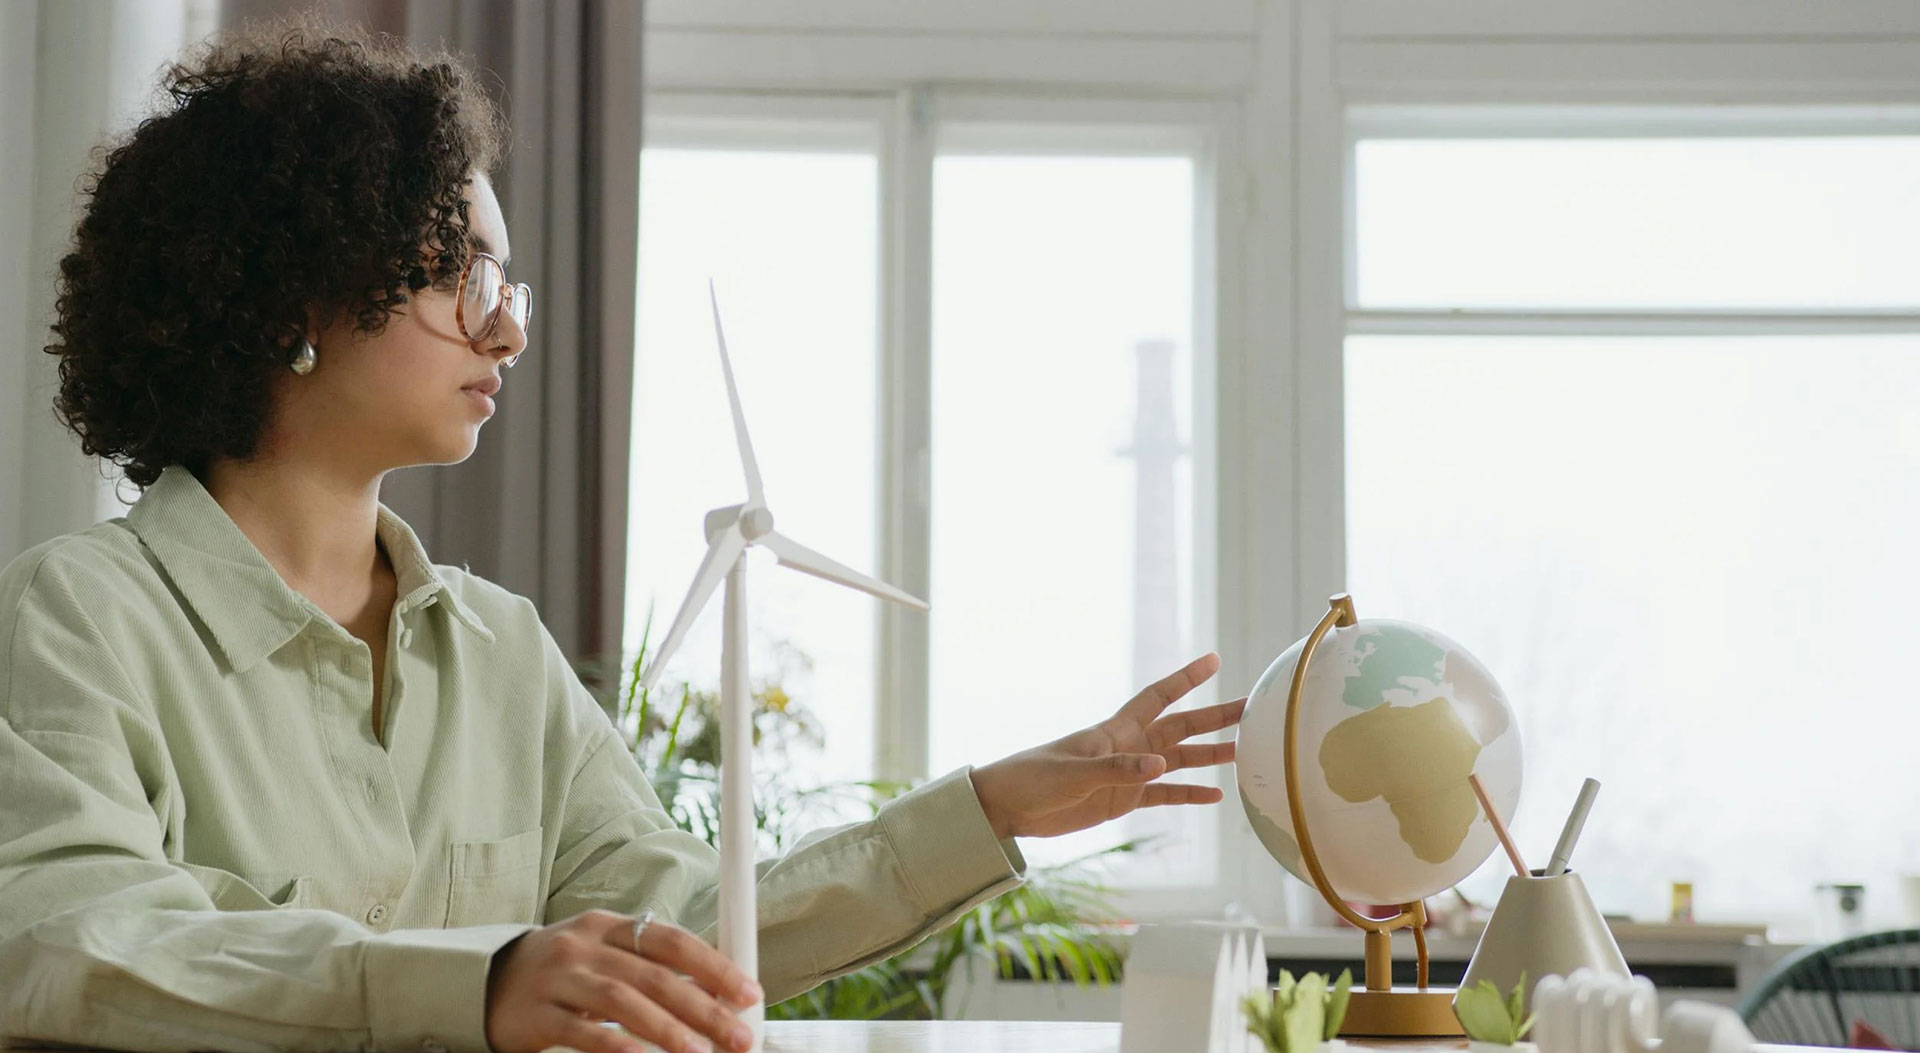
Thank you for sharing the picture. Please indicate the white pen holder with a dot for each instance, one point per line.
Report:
(1543, 926)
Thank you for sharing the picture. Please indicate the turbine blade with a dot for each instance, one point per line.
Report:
(747, 462)
(801, 558)
(720, 558)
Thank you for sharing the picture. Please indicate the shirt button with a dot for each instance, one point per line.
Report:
(430, 1046)
(377, 914)
(406, 637)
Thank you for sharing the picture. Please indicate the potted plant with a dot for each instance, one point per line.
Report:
(1058, 925)
(1495, 1023)
(1300, 1016)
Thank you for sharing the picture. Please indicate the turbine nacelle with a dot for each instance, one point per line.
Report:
(754, 523)
(734, 528)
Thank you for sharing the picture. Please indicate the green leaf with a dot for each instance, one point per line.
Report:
(1024, 949)
(1075, 957)
(1259, 1014)
(633, 685)
(673, 733)
(1482, 1012)
(1306, 1019)
(1337, 1004)
(1266, 1018)
(1517, 1003)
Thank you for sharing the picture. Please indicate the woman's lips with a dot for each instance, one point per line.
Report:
(482, 392)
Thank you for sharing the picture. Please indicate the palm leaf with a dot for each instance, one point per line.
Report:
(633, 682)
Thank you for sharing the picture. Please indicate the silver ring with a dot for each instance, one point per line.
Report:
(640, 926)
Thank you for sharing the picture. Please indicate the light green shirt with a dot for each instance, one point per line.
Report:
(204, 846)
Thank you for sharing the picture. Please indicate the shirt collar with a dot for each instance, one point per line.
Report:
(420, 582)
(244, 603)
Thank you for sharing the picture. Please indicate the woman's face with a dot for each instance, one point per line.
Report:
(401, 397)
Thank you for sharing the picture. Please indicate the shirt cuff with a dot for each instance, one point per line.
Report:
(945, 845)
(427, 988)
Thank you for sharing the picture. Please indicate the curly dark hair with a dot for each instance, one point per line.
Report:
(293, 168)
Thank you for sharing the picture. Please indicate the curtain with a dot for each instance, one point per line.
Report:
(541, 506)
(73, 73)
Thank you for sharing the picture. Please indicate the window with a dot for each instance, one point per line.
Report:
(1631, 419)
(1724, 223)
(1062, 505)
(783, 218)
(1055, 351)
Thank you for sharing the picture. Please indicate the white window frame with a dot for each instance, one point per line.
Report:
(1405, 68)
(1639, 121)
(909, 126)
(1288, 83)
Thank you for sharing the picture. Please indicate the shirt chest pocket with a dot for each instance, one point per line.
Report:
(496, 881)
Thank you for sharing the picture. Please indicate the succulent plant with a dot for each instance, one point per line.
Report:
(1299, 1014)
(1489, 1016)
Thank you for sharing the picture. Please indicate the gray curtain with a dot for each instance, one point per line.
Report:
(541, 506)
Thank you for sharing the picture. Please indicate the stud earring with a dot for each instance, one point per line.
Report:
(305, 359)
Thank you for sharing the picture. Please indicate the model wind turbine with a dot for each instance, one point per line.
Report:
(730, 532)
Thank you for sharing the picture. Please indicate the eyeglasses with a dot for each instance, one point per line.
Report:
(484, 293)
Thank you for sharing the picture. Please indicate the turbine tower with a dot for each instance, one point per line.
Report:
(730, 532)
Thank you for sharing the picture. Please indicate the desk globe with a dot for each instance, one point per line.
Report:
(1352, 759)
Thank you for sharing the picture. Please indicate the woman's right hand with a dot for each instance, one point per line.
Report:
(551, 987)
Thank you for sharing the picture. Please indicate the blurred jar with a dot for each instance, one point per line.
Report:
(1840, 910)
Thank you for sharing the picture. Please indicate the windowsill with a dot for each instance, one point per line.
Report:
(1441, 942)
(1704, 960)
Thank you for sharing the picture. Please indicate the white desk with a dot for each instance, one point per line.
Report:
(1021, 1036)
(1012, 1036)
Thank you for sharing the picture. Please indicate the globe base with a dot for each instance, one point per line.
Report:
(1402, 1012)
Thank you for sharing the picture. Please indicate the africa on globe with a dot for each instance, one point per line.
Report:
(1393, 719)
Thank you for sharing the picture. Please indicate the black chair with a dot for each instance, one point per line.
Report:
(1814, 997)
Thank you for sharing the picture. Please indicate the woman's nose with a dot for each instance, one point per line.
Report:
(507, 340)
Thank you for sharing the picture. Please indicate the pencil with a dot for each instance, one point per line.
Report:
(1499, 828)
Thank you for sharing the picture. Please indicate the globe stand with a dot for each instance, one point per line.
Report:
(1380, 1008)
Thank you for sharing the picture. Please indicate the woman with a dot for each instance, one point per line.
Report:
(273, 779)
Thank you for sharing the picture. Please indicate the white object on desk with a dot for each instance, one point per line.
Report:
(1697, 1027)
(1597, 1012)
(1184, 984)
(730, 532)
(1254, 980)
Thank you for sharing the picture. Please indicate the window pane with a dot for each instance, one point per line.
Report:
(1587, 223)
(1062, 547)
(790, 240)
(1691, 564)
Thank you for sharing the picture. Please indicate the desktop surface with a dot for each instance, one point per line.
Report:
(1013, 1036)
(1024, 1036)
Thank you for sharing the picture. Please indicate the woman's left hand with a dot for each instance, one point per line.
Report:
(1107, 770)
